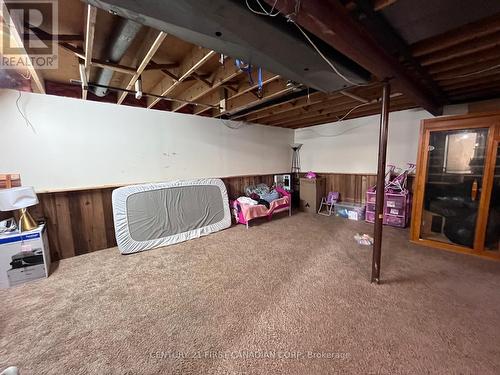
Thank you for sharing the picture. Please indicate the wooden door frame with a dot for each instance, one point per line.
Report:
(490, 121)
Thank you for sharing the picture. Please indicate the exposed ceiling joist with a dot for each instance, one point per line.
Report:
(278, 108)
(79, 53)
(213, 98)
(463, 49)
(393, 43)
(333, 102)
(331, 22)
(381, 4)
(153, 66)
(275, 88)
(457, 36)
(192, 62)
(450, 66)
(225, 73)
(36, 76)
(333, 105)
(89, 44)
(144, 63)
(339, 113)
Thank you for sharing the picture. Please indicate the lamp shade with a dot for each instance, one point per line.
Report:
(17, 198)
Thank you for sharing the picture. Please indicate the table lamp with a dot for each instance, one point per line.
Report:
(19, 198)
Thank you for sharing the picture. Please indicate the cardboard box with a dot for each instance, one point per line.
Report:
(311, 192)
(24, 257)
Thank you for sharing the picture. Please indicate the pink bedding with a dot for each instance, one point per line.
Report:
(253, 211)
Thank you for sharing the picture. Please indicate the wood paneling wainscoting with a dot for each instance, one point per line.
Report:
(81, 221)
(352, 187)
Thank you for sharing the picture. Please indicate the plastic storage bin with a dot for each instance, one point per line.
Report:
(351, 211)
(397, 208)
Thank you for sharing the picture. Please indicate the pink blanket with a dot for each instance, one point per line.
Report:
(259, 210)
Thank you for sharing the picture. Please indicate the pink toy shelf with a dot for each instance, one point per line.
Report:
(397, 199)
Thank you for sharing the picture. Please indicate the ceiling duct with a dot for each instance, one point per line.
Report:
(229, 27)
(123, 36)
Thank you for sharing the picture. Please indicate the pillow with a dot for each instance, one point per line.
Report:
(260, 189)
(271, 196)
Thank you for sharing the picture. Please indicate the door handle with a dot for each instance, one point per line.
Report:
(474, 190)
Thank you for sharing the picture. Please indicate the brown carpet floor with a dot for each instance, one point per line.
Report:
(290, 296)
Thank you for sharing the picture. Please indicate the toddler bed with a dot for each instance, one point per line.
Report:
(244, 212)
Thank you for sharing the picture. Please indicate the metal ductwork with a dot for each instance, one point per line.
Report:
(123, 36)
(229, 27)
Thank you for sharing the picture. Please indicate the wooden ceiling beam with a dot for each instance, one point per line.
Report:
(472, 31)
(213, 98)
(492, 83)
(191, 63)
(15, 35)
(463, 49)
(470, 81)
(331, 22)
(225, 73)
(378, 5)
(372, 109)
(369, 112)
(341, 107)
(144, 63)
(79, 53)
(381, 4)
(154, 66)
(469, 72)
(282, 107)
(303, 101)
(394, 44)
(314, 109)
(482, 94)
(242, 101)
(89, 44)
(449, 67)
(45, 36)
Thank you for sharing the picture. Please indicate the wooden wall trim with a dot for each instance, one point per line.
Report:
(81, 221)
(116, 186)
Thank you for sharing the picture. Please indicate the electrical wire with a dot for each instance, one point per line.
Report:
(352, 110)
(227, 124)
(332, 135)
(340, 120)
(471, 73)
(264, 11)
(334, 68)
(26, 120)
(290, 19)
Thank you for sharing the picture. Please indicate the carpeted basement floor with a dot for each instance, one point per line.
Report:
(290, 296)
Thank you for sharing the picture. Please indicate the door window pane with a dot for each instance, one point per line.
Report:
(453, 185)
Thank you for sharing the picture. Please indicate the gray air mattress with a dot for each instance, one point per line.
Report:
(154, 215)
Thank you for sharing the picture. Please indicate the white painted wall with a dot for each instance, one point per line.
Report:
(352, 146)
(80, 144)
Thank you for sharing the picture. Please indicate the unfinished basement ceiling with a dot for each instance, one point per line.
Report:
(455, 66)
(422, 19)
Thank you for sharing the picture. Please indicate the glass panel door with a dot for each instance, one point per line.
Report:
(492, 238)
(453, 183)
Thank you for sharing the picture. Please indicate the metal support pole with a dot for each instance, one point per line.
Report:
(379, 203)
